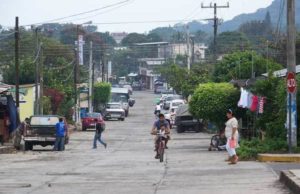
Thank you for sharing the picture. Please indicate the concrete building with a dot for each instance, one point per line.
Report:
(181, 49)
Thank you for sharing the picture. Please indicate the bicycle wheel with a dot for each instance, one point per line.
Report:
(161, 151)
(215, 141)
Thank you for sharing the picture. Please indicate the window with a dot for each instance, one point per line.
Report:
(44, 120)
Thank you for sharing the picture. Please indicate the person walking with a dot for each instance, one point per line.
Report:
(231, 133)
(98, 133)
(60, 135)
(19, 132)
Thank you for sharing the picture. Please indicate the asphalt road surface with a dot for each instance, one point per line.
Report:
(128, 166)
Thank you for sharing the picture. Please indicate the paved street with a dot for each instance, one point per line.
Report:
(128, 165)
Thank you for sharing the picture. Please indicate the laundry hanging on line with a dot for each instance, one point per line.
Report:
(252, 102)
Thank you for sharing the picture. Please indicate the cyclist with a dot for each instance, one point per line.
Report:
(161, 124)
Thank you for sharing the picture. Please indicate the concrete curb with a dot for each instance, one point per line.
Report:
(295, 158)
(6, 149)
(290, 180)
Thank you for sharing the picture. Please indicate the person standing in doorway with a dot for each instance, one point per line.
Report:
(98, 134)
(60, 135)
(231, 133)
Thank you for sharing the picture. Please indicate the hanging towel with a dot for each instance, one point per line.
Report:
(254, 103)
(250, 100)
(243, 102)
(241, 96)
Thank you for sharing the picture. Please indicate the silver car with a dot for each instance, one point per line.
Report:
(114, 110)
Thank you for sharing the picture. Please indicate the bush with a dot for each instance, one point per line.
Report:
(101, 95)
(210, 102)
(250, 149)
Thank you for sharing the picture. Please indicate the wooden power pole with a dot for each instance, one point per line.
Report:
(17, 62)
(216, 23)
(41, 75)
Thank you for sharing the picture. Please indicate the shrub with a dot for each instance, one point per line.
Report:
(101, 95)
(210, 102)
(250, 149)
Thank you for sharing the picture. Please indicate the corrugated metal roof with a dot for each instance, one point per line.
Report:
(151, 43)
(282, 72)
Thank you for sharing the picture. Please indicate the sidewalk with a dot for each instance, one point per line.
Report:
(291, 179)
(289, 176)
(6, 149)
(279, 158)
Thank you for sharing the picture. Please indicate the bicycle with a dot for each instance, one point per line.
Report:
(161, 144)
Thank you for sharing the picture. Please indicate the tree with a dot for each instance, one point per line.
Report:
(211, 100)
(181, 80)
(228, 42)
(258, 31)
(165, 33)
(153, 37)
(134, 38)
(201, 37)
(238, 65)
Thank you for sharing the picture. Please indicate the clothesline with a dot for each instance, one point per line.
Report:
(252, 102)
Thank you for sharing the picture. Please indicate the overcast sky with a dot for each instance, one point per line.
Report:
(35, 11)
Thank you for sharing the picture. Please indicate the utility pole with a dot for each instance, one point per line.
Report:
(41, 75)
(193, 49)
(91, 78)
(36, 109)
(291, 67)
(75, 85)
(17, 62)
(93, 83)
(103, 66)
(216, 24)
(188, 48)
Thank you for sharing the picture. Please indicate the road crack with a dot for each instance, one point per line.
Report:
(159, 183)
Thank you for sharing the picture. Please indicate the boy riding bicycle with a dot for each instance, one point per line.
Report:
(164, 126)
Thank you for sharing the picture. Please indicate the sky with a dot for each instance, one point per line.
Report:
(132, 16)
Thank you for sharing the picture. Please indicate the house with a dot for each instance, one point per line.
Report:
(27, 100)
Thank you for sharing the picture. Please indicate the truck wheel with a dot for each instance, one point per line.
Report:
(180, 129)
(122, 119)
(83, 128)
(197, 128)
(28, 146)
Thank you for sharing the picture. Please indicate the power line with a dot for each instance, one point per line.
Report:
(142, 22)
(112, 9)
(78, 14)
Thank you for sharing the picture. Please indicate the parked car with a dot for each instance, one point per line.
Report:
(41, 131)
(88, 121)
(174, 104)
(122, 95)
(185, 121)
(169, 99)
(137, 86)
(114, 111)
(159, 89)
(130, 90)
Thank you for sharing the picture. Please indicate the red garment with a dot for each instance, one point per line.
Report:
(254, 104)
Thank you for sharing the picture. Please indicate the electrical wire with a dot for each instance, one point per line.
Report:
(111, 9)
(78, 14)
